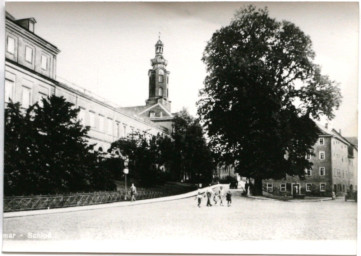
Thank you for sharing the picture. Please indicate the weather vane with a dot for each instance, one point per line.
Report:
(159, 35)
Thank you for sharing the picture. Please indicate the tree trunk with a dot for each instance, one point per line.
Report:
(257, 189)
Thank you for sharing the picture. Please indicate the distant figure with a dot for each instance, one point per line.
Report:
(133, 192)
(216, 196)
(229, 198)
(246, 187)
(199, 197)
(221, 195)
(209, 196)
(333, 195)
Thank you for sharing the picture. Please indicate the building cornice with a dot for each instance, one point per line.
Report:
(11, 25)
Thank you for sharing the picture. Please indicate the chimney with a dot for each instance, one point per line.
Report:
(326, 125)
(339, 131)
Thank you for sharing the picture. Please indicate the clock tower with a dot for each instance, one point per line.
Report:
(159, 79)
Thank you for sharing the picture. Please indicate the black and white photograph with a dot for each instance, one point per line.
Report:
(180, 127)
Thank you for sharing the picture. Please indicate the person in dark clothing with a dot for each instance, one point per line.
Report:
(229, 198)
(209, 196)
(199, 197)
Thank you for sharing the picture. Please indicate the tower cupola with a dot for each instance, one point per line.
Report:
(159, 47)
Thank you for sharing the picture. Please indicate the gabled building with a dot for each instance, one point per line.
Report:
(334, 168)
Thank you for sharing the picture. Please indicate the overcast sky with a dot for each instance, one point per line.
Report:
(106, 47)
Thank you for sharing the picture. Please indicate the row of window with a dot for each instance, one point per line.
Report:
(321, 156)
(26, 94)
(321, 171)
(340, 173)
(104, 124)
(283, 187)
(29, 53)
(338, 156)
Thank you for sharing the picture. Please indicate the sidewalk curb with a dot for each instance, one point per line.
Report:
(101, 206)
(289, 200)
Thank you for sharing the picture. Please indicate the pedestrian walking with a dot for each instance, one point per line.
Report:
(133, 192)
(199, 197)
(246, 187)
(221, 196)
(215, 197)
(333, 195)
(229, 198)
(209, 196)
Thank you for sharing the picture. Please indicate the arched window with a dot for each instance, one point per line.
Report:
(160, 91)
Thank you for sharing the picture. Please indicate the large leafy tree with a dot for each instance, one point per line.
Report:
(192, 158)
(19, 150)
(262, 94)
(46, 151)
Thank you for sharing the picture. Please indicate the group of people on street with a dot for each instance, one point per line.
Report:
(216, 196)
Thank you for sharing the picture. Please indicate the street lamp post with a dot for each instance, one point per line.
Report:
(125, 171)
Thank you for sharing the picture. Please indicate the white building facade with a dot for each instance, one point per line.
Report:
(30, 75)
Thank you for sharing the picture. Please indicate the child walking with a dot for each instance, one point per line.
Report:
(199, 197)
(229, 198)
(209, 196)
(221, 195)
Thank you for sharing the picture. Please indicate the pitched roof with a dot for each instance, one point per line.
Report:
(135, 110)
(333, 132)
(353, 140)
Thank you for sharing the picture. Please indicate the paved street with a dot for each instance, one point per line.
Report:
(246, 219)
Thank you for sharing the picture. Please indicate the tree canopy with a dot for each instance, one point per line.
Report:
(262, 95)
(46, 151)
(182, 156)
(192, 158)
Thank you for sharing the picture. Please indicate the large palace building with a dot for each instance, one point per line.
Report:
(30, 75)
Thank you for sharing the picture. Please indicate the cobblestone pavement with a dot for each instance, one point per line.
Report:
(246, 219)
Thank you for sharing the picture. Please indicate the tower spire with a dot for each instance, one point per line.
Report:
(159, 46)
(158, 78)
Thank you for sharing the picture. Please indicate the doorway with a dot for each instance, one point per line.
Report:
(295, 189)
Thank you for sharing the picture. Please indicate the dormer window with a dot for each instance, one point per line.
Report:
(151, 114)
(29, 54)
(28, 24)
(31, 26)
